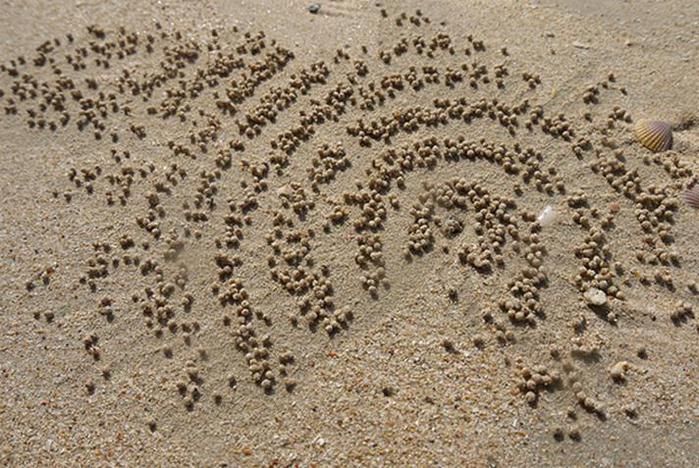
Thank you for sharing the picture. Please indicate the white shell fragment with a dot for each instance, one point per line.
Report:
(546, 216)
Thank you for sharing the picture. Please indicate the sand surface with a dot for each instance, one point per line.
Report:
(238, 233)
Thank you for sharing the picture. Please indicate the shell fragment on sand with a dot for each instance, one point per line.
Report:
(691, 197)
(654, 134)
(546, 217)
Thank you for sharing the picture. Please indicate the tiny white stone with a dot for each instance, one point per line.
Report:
(618, 370)
(595, 296)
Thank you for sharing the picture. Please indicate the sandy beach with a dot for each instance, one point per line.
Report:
(349, 233)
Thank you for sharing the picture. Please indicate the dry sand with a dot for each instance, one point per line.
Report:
(239, 233)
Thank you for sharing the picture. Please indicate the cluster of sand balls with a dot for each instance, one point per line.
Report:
(337, 216)
(98, 265)
(319, 112)
(535, 380)
(494, 222)
(596, 273)
(329, 162)
(491, 214)
(292, 266)
(654, 206)
(420, 237)
(371, 260)
(256, 348)
(523, 304)
(280, 99)
(52, 99)
(372, 208)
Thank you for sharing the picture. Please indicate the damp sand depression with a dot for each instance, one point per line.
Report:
(361, 233)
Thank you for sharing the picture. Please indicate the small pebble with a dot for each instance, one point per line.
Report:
(595, 297)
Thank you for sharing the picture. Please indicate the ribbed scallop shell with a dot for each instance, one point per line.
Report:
(654, 134)
(691, 197)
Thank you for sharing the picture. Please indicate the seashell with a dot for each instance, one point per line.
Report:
(691, 197)
(654, 134)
